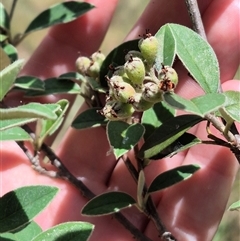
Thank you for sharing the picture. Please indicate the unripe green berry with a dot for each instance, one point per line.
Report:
(140, 104)
(114, 110)
(152, 92)
(168, 78)
(98, 57)
(148, 46)
(82, 64)
(121, 90)
(135, 70)
(94, 69)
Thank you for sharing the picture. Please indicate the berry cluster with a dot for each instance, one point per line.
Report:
(135, 86)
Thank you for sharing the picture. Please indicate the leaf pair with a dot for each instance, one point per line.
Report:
(113, 202)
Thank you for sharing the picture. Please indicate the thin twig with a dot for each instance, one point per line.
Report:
(195, 16)
(12, 10)
(64, 173)
(220, 126)
(35, 161)
(128, 225)
(150, 210)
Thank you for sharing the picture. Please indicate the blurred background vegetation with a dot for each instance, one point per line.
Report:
(126, 15)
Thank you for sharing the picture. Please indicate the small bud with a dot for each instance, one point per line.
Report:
(82, 64)
(135, 70)
(152, 92)
(140, 104)
(98, 57)
(148, 46)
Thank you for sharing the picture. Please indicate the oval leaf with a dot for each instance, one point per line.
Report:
(184, 142)
(59, 13)
(89, 119)
(29, 83)
(31, 110)
(6, 124)
(23, 204)
(123, 137)
(8, 76)
(166, 134)
(15, 134)
(197, 56)
(200, 105)
(172, 177)
(232, 104)
(56, 86)
(166, 51)
(70, 231)
(108, 203)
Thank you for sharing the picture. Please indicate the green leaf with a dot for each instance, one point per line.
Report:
(31, 110)
(234, 206)
(171, 177)
(11, 52)
(140, 188)
(14, 134)
(56, 86)
(232, 104)
(23, 204)
(48, 127)
(7, 237)
(108, 203)
(8, 76)
(89, 119)
(29, 83)
(4, 61)
(197, 56)
(27, 232)
(6, 124)
(4, 18)
(72, 76)
(166, 50)
(116, 58)
(3, 37)
(123, 137)
(155, 116)
(184, 142)
(59, 13)
(70, 231)
(166, 134)
(200, 105)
